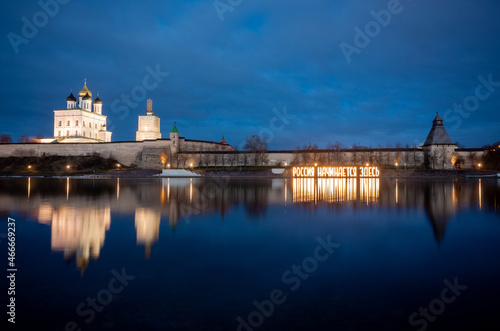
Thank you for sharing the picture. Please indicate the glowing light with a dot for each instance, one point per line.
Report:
(286, 164)
(396, 164)
(118, 189)
(29, 167)
(168, 165)
(67, 188)
(367, 164)
(328, 172)
(68, 166)
(191, 165)
(479, 165)
(315, 164)
(118, 165)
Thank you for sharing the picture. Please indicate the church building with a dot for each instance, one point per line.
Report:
(81, 121)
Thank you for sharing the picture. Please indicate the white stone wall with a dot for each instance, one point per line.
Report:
(146, 154)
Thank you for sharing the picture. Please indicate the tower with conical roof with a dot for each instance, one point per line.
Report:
(438, 147)
(174, 140)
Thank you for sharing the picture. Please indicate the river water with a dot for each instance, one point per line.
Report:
(254, 254)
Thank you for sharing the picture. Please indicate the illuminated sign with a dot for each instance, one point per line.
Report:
(326, 172)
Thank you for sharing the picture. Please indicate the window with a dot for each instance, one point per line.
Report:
(83, 123)
(67, 133)
(59, 134)
(68, 123)
(96, 125)
(84, 133)
(76, 132)
(76, 123)
(60, 124)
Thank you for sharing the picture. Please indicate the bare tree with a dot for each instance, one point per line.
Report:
(338, 147)
(471, 157)
(24, 139)
(379, 154)
(258, 146)
(5, 139)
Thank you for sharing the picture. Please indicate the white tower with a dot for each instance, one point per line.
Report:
(98, 105)
(71, 101)
(87, 102)
(84, 91)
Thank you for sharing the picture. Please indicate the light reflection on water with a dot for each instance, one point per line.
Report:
(79, 223)
(82, 215)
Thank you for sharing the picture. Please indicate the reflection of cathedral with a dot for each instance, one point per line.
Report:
(79, 231)
(79, 211)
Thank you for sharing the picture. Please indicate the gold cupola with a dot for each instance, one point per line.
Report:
(84, 90)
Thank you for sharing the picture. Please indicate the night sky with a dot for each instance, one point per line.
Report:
(229, 67)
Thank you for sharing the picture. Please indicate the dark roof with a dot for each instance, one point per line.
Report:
(438, 134)
(87, 97)
(71, 97)
(97, 100)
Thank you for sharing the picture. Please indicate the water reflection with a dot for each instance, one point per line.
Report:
(76, 231)
(79, 210)
(147, 226)
(335, 190)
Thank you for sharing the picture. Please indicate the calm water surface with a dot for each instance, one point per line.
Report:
(200, 254)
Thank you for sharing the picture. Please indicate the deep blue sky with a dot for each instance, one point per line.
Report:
(226, 76)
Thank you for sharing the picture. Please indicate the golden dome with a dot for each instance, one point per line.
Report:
(84, 90)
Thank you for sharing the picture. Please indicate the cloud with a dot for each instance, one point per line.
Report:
(226, 77)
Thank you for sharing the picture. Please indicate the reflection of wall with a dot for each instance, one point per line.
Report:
(78, 232)
(147, 225)
(79, 210)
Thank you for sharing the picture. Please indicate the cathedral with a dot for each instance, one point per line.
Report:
(81, 121)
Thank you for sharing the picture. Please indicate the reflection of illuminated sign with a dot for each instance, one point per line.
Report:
(362, 172)
(336, 190)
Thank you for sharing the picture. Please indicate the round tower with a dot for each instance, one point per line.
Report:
(174, 139)
(71, 101)
(84, 91)
(86, 102)
(98, 105)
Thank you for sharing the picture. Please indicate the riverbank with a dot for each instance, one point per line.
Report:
(267, 173)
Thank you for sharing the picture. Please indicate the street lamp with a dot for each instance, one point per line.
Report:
(29, 167)
(68, 166)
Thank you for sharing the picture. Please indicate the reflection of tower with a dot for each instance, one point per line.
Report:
(439, 207)
(173, 215)
(147, 225)
(80, 231)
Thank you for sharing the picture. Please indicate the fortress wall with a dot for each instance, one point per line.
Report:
(147, 154)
